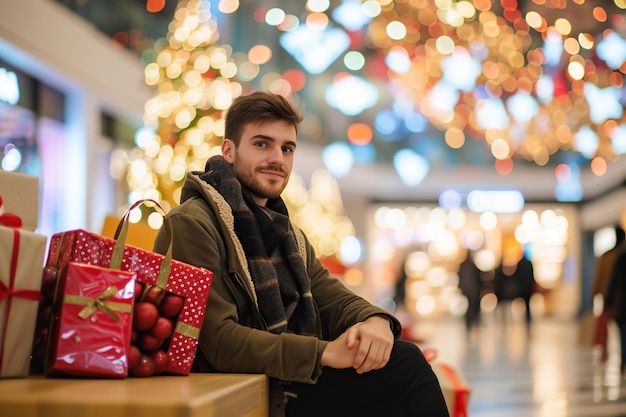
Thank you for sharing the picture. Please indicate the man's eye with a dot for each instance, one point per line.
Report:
(261, 144)
(287, 149)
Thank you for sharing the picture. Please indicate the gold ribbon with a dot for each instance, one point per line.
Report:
(99, 303)
(187, 330)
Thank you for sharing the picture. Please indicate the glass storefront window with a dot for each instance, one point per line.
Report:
(17, 140)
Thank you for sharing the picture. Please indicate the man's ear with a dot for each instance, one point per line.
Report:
(228, 150)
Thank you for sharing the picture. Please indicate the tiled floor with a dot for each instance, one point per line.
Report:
(542, 371)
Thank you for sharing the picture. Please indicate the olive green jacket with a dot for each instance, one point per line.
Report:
(233, 337)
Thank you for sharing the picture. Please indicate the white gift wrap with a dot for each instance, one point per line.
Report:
(20, 195)
(21, 266)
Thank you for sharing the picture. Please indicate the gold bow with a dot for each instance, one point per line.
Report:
(99, 303)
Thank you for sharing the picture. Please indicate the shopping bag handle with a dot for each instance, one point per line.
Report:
(121, 233)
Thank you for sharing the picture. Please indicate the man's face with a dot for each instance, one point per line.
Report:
(264, 158)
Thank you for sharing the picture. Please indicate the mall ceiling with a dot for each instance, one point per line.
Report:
(464, 169)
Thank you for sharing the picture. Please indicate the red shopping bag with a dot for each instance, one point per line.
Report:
(91, 325)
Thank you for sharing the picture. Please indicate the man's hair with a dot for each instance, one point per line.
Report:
(258, 107)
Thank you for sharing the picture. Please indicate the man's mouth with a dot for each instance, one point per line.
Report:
(273, 172)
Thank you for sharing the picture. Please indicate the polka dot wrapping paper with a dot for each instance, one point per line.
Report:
(184, 280)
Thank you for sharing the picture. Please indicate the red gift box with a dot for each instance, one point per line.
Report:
(91, 322)
(21, 261)
(190, 282)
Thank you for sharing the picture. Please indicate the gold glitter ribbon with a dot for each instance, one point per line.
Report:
(187, 330)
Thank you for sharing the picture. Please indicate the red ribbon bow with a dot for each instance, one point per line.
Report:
(10, 220)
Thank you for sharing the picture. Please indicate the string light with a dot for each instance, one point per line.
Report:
(538, 69)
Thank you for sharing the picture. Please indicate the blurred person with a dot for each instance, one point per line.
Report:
(505, 288)
(525, 276)
(515, 278)
(615, 304)
(604, 266)
(399, 296)
(471, 285)
(273, 308)
(600, 287)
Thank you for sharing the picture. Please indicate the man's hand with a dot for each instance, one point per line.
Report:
(373, 339)
(365, 346)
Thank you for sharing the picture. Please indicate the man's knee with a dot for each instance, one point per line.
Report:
(403, 350)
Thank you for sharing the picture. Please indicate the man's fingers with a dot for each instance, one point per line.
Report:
(351, 337)
(375, 357)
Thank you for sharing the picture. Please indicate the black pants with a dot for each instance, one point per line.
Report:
(405, 387)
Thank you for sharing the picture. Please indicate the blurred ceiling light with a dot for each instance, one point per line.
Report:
(571, 189)
(227, 6)
(351, 15)
(410, 166)
(12, 158)
(586, 141)
(398, 60)
(338, 159)
(450, 199)
(481, 201)
(314, 49)
(318, 6)
(460, 70)
(275, 16)
(351, 94)
(604, 103)
(359, 133)
(354, 60)
(351, 250)
(618, 139)
(612, 49)
(9, 87)
(488, 220)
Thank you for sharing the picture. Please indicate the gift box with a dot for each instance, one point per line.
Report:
(173, 277)
(21, 261)
(455, 388)
(91, 322)
(20, 195)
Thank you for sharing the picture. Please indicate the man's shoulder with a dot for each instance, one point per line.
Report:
(191, 204)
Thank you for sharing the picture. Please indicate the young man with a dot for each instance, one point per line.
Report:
(273, 308)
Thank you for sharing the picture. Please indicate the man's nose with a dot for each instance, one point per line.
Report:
(277, 156)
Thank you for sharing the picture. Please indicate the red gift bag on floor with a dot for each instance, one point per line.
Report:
(455, 388)
(91, 322)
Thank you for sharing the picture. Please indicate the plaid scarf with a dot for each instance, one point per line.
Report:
(281, 282)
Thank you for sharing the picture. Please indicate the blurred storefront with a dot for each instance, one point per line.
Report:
(67, 100)
(426, 246)
(32, 131)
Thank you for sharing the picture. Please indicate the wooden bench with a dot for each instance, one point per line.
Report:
(206, 395)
